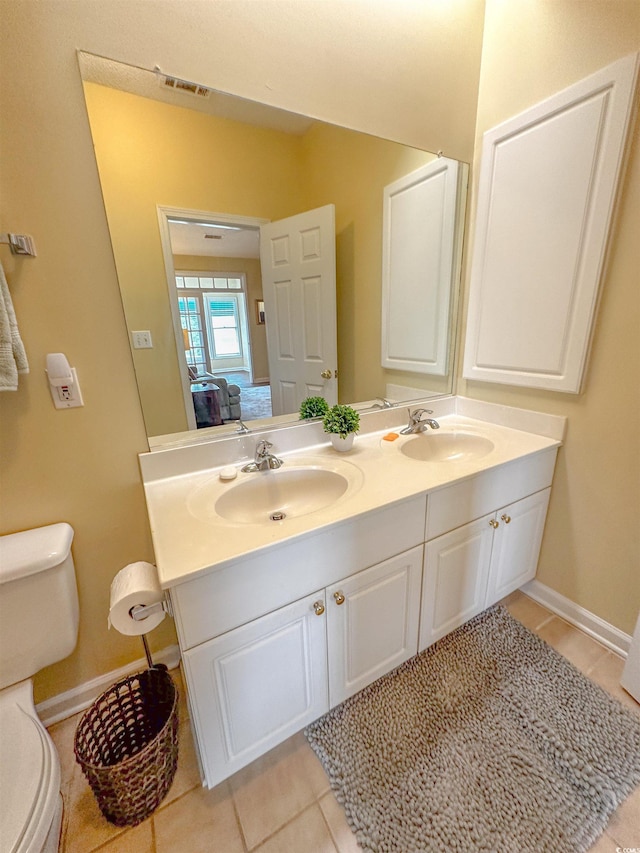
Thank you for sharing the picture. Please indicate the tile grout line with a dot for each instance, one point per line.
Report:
(326, 822)
(103, 844)
(153, 833)
(236, 813)
(267, 838)
(598, 660)
(162, 806)
(544, 622)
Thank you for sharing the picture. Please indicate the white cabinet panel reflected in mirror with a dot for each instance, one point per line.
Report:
(422, 240)
(189, 176)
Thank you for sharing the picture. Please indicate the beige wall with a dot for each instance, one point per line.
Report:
(80, 465)
(591, 548)
(351, 171)
(151, 154)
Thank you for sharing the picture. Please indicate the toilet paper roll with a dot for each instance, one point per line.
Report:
(137, 583)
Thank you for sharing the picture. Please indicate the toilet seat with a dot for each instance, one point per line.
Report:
(29, 774)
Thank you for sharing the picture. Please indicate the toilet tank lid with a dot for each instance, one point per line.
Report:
(32, 551)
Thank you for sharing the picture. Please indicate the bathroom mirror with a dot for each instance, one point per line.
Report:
(179, 163)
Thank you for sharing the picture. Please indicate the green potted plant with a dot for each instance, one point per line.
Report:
(341, 422)
(313, 407)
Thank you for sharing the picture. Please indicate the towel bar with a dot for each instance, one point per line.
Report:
(21, 244)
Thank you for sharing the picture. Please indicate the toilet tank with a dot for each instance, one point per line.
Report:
(38, 601)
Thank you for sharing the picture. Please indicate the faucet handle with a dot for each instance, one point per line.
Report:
(416, 415)
(263, 447)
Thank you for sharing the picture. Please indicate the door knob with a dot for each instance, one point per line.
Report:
(506, 518)
(326, 374)
(339, 597)
(318, 608)
(494, 523)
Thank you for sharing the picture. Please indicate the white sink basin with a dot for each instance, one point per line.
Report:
(458, 446)
(276, 495)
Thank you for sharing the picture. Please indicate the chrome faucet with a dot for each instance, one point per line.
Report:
(417, 423)
(242, 429)
(382, 403)
(264, 460)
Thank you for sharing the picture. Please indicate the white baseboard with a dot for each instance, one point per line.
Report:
(78, 698)
(610, 636)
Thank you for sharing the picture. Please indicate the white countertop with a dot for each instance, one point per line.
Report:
(187, 546)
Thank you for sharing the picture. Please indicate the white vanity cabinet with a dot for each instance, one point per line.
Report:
(455, 579)
(517, 536)
(274, 639)
(253, 687)
(271, 642)
(372, 623)
(474, 564)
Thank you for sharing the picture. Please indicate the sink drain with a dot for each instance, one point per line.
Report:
(278, 516)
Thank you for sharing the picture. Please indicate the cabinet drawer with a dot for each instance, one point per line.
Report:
(456, 505)
(245, 589)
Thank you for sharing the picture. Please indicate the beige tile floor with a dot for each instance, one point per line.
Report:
(282, 802)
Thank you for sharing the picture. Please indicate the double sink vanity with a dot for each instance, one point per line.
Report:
(294, 588)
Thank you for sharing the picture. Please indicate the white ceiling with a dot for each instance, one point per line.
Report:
(221, 243)
(151, 84)
(193, 239)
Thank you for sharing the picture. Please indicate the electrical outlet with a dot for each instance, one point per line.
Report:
(67, 396)
(142, 340)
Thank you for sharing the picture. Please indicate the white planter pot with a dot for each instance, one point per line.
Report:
(342, 444)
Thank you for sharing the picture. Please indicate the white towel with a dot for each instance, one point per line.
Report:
(13, 358)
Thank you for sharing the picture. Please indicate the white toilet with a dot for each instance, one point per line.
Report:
(38, 626)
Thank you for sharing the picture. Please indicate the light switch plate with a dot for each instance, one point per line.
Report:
(142, 340)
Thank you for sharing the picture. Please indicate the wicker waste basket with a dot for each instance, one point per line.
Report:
(127, 745)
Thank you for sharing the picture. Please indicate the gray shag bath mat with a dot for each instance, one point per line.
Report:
(487, 741)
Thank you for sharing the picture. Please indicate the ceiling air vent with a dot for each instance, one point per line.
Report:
(185, 86)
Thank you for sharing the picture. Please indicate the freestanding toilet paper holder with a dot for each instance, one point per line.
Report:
(140, 612)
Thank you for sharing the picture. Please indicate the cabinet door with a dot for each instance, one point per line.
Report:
(517, 545)
(255, 686)
(456, 568)
(546, 195)
(372, 623)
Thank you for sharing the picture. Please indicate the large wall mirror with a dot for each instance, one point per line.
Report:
(202, 191)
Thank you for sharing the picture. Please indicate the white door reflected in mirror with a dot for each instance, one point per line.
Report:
(298, 261)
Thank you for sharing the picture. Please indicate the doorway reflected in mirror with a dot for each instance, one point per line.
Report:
(255, 398)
